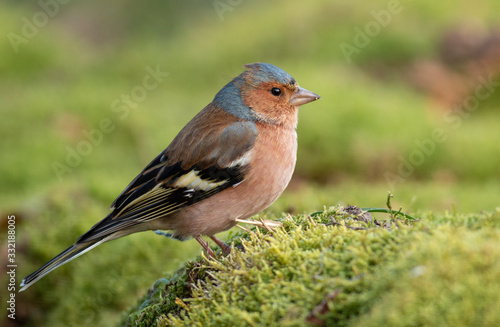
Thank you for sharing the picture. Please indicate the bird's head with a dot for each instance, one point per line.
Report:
(264, 93)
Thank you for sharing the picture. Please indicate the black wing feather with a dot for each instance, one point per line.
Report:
(152, 200)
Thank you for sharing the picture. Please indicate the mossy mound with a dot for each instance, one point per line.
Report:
(332, 269)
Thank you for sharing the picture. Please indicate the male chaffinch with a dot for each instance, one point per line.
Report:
(231, 161)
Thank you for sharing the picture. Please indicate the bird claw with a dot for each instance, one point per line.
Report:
(206, 246)
(226, 249)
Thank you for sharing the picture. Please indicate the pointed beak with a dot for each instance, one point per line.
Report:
(303, 96)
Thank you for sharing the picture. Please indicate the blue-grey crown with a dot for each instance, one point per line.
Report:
(264, 72)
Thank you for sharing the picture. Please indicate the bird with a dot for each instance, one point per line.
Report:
(230, 162)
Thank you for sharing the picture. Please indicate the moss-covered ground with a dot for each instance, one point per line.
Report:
(332, 270)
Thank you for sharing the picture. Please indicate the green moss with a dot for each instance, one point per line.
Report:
(438, 271)
(451, 279)
(163, 297)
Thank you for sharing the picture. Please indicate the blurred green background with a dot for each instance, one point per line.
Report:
(410, 103)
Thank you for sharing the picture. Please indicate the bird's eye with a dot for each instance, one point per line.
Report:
(276, 91)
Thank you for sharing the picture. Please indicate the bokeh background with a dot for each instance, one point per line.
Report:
(410, 104)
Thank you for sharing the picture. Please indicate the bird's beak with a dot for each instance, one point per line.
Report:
(303, 96)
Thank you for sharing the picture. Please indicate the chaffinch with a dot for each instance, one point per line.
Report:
(231, 161)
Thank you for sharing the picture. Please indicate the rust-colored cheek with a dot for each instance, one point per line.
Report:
(274, 110)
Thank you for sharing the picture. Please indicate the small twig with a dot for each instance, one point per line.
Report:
(265, 225)
(311, 220)
(245, 229)
(389, 212)
(388, 203)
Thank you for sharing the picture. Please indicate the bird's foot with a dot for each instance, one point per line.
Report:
(206, 246)
(226, 249)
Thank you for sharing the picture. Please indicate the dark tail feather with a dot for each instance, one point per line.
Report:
(67, 255)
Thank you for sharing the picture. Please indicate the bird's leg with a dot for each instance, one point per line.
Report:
(210, 252)
(226, 249)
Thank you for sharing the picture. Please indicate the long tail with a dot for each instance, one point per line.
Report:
(67, 255)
